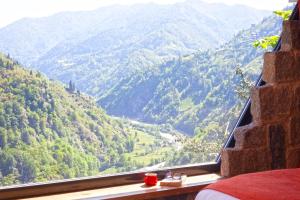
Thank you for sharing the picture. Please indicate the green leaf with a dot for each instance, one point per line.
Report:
(284, 14)
(264, 43)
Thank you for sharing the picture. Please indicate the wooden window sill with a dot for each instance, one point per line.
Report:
(138, 191)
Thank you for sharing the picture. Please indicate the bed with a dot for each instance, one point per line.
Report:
(269, 185)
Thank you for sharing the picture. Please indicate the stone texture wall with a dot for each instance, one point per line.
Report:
(272, 140)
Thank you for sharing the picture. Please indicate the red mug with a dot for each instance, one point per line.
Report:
(150, 179)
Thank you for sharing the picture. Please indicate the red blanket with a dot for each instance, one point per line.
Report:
(269, 185)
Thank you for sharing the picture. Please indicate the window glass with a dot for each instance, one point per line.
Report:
(103, 87)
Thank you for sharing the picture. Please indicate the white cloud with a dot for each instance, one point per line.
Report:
(12, 10)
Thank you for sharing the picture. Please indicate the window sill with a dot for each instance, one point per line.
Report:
(138, 191)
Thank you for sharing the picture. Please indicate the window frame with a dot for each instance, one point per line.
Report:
(96, 182)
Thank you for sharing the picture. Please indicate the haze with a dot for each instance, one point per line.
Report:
(12, 10)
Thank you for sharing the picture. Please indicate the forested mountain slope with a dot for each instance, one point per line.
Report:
(97, 48)
(50, 132)
(195, 93)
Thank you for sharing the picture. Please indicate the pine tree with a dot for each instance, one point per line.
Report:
(71, 88)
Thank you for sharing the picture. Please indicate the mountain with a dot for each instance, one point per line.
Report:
(180, 66)
(197, 93)
(50, 132)
(98, 48)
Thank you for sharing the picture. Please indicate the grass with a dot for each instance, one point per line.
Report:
(147, 148)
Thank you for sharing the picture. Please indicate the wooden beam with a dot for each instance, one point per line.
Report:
(90, 183)
(138, 191)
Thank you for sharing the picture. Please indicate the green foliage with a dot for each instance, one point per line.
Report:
(284, 14)
(201, 94)
(243, 89)
(271, 41)
(193, 91)
(47, 133)
(264, 43)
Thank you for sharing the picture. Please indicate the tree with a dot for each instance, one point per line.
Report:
(7, 163)
(129, 145)
(3, 138)
(26, 137)
(33, 120)
(243, 89)
(2, 121)
(27, 168)
(71, 88)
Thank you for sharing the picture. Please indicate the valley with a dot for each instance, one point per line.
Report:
(94, 93)
(49, 133)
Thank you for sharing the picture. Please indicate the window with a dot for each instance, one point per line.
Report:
(95, 88)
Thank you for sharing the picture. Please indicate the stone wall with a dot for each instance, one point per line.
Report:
(272, 140)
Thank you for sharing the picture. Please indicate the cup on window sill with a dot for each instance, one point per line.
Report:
(150, 179)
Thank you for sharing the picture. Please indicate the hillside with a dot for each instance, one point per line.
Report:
(48, 132)
(177, 66)
(196, 93)
(97, 48)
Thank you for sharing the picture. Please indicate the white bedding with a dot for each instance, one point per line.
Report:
(213, 195)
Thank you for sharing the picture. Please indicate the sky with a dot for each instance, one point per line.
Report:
(12, 10)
